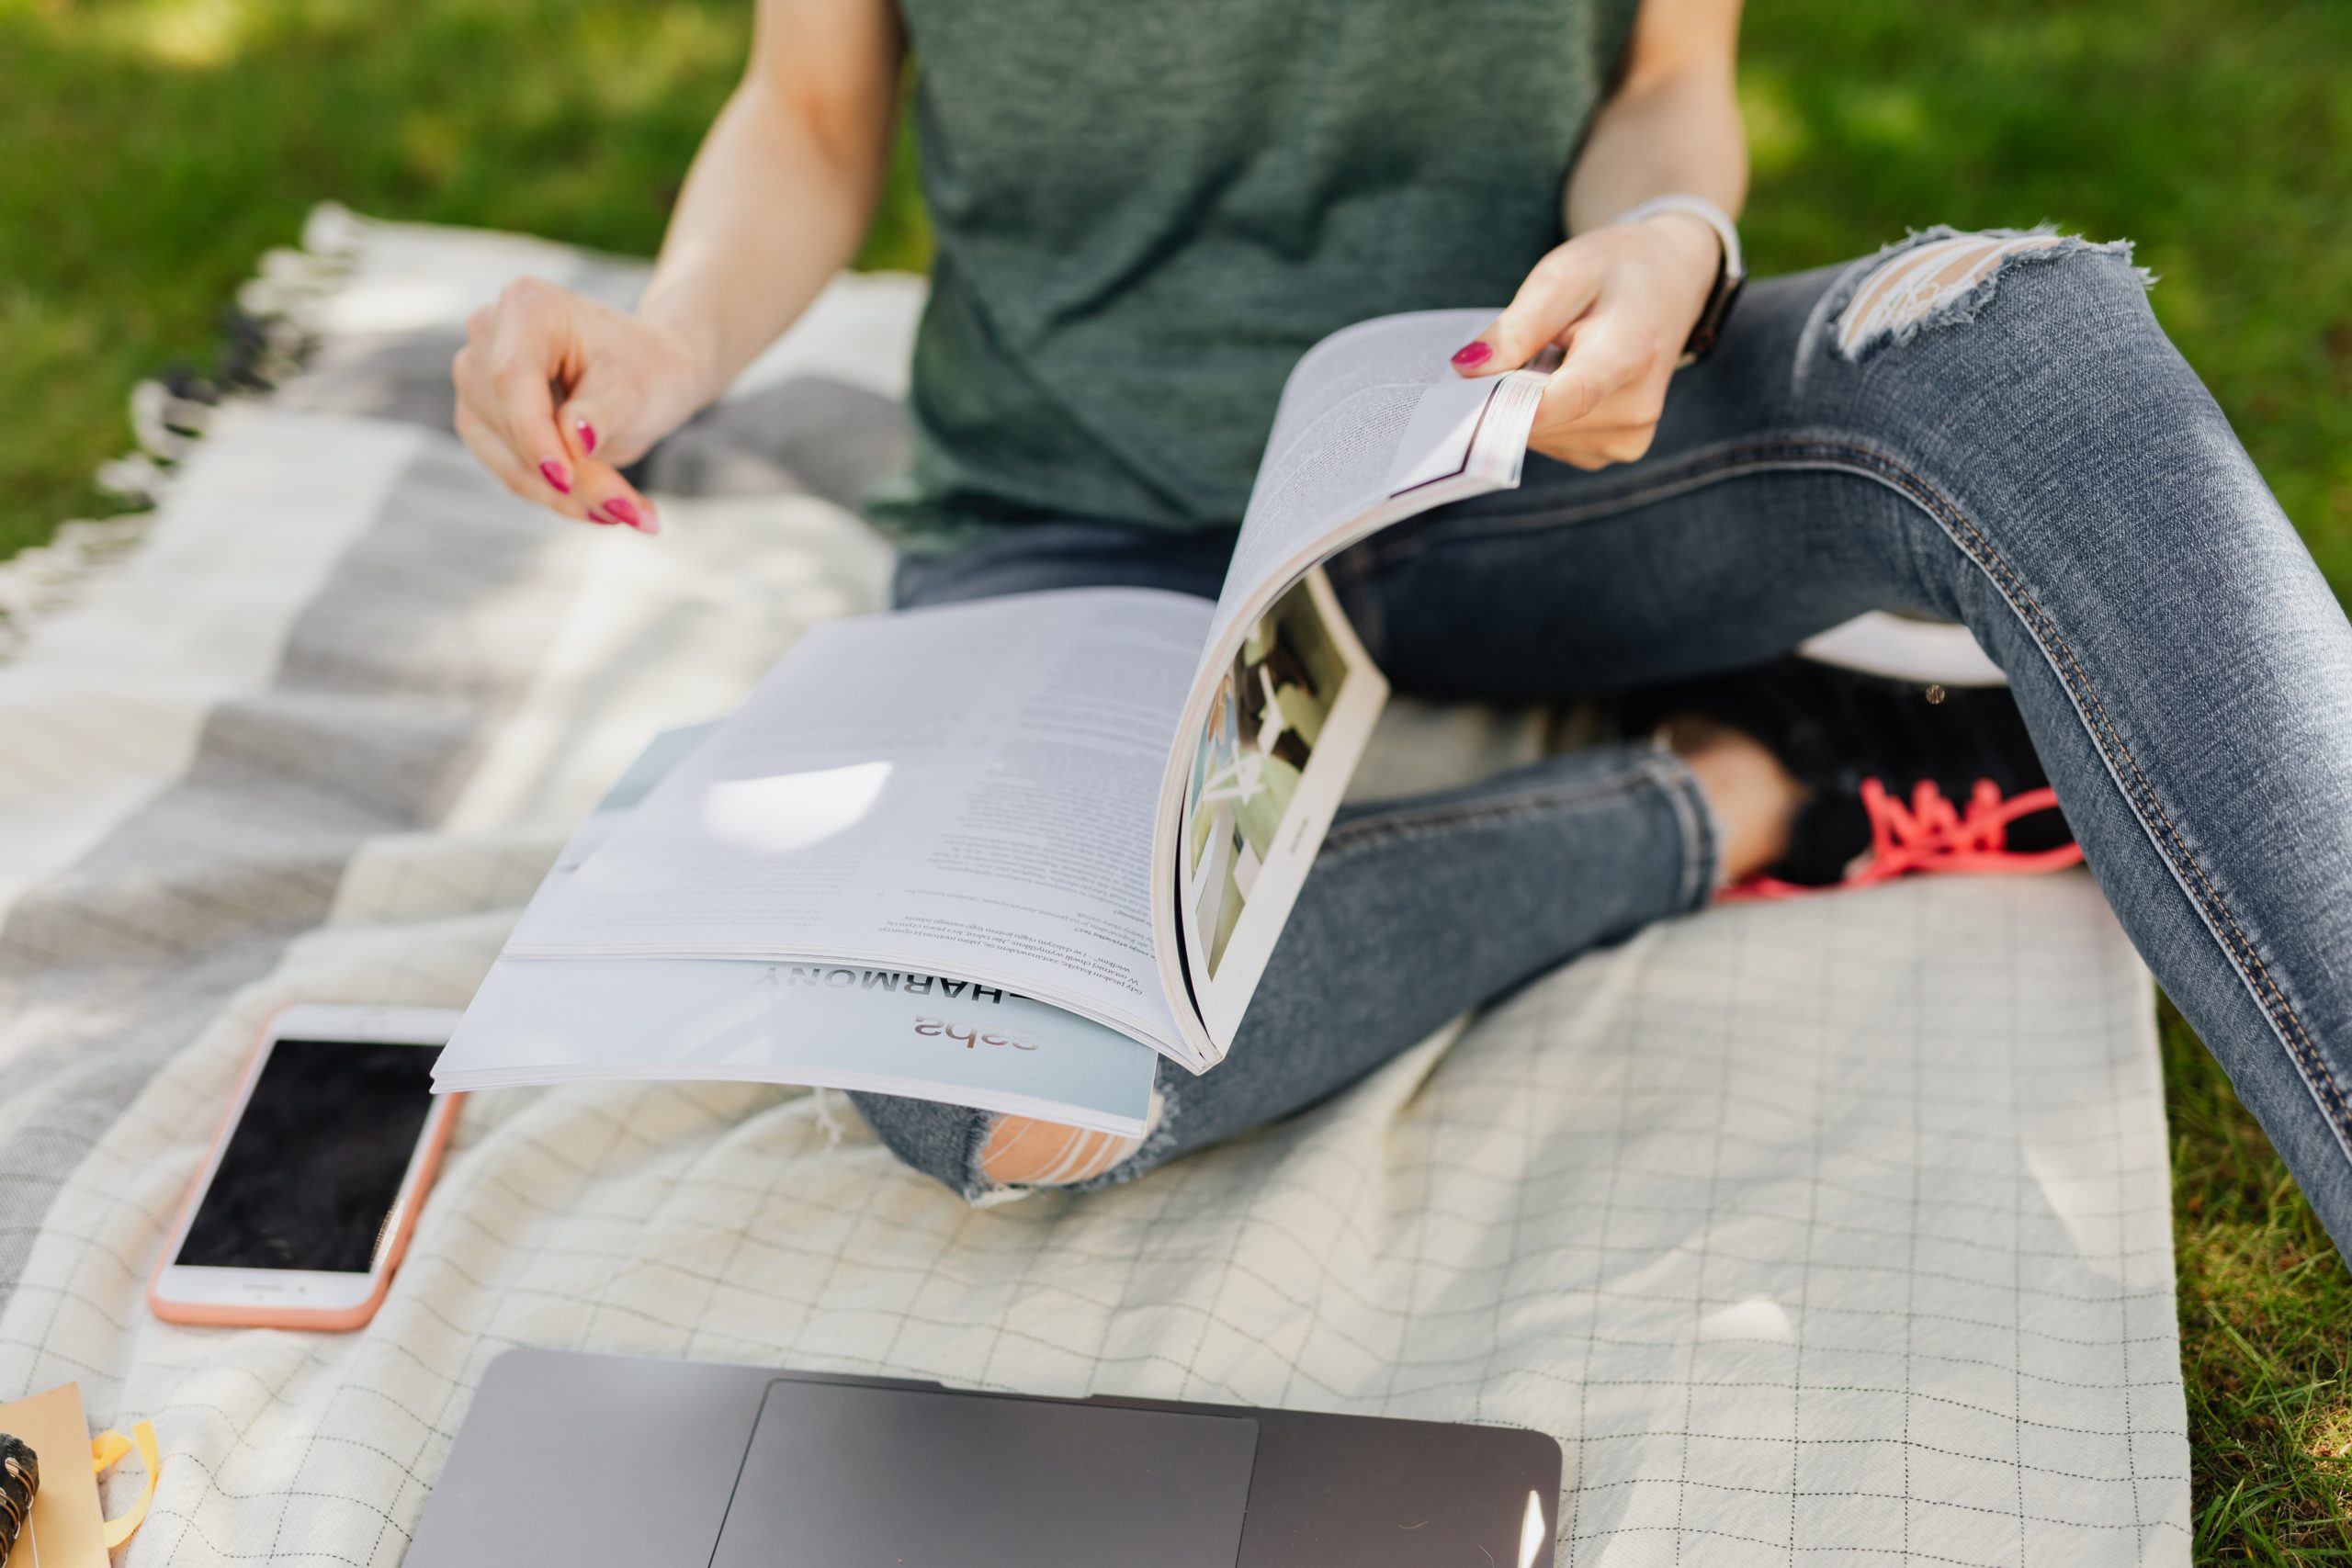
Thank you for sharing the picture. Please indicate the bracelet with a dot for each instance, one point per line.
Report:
(1730, 273)
(1697, 207)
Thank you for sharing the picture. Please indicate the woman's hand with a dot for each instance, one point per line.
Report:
(1619, 301)
(556, 391)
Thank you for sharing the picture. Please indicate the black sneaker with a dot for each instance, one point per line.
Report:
(1901, 776)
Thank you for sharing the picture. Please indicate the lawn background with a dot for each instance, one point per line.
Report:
(151, 149)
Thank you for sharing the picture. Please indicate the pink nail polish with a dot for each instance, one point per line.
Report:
(587, 434)
(596, 515)
(1471, 355)
(624, 511)
(553, 472)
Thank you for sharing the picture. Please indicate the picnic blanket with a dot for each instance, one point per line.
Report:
(1831, 1231)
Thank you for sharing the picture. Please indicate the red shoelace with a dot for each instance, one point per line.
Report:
(1932, 835)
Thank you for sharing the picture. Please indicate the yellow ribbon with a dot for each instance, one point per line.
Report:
(108, 1448)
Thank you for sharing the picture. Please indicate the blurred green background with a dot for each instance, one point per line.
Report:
(151, 149)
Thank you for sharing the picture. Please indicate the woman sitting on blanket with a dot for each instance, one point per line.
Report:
(1144, 215)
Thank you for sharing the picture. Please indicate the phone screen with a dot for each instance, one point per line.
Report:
(315, 1163)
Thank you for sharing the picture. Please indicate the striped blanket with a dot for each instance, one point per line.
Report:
(1820, 1233)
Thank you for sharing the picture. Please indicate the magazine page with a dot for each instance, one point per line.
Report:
(1288, 717)
(964, 790)
(1373, 426)
(544, 1020)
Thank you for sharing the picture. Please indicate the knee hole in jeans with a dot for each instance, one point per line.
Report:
(1025, 1152)
(1915, 288)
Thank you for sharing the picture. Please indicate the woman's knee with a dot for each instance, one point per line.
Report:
(979, 1152)
(1945, 280)
(1026, 1152)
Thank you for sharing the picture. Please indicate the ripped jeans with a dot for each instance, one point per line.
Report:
(2001, 439)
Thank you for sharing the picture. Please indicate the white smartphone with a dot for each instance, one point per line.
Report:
(300, 1211)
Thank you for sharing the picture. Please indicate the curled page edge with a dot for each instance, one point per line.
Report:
(1496, 460)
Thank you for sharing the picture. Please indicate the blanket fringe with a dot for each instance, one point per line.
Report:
(266, 338)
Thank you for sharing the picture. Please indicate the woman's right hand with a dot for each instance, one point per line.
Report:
(556, 392)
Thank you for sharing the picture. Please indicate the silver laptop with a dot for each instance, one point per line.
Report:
(613, 1462)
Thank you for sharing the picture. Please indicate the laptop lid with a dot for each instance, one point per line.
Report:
(619, 1461)
(840, 1475)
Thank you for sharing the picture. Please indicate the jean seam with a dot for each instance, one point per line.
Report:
(1346, 839)
(2140, 792)
(1702, 834)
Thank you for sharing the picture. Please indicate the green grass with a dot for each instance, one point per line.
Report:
(149, 150)
(2266, 1321)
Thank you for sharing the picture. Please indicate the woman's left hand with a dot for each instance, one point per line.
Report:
(1619, 301)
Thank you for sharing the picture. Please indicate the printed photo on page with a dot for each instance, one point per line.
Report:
(1284, 729)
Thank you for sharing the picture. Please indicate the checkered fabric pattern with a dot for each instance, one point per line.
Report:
(1826, 1231)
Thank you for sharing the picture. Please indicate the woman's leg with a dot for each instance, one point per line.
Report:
(2000, 436)
(1414, 911)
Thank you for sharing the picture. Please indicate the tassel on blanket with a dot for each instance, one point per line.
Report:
(264, 341)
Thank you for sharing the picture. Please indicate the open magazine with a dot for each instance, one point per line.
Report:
(827, 1025)
(1101, 800)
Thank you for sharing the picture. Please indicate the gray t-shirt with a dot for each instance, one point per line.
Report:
(1145, 211)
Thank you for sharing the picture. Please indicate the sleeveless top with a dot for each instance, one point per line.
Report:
(1146, 210)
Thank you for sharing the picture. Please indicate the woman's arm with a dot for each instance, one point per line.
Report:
(1673, 127)
(786, 184)
(1621, 299)
(556, 391)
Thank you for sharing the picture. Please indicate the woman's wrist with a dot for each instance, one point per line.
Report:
(1703, 238)
(690, 332)
(1698, 251)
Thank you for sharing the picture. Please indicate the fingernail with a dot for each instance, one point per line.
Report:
(596, 515)
(587, 434)
(553, 472)
(626, 512)
(1470, 356)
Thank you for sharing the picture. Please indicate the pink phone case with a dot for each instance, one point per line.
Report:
(437, 1124)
